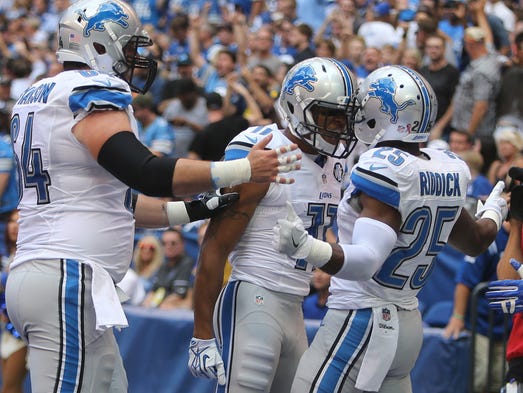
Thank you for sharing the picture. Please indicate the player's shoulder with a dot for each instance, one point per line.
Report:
(255, 134)
(384, 160)
(243, 142)
(88, 90)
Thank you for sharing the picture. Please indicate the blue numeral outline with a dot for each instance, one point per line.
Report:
(31, 167)
(420, 223)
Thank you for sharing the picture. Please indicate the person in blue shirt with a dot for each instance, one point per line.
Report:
(9, 193)
(473, 272)
(155, 132)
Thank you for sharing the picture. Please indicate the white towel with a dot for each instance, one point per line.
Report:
(107, 306)
(381, 349)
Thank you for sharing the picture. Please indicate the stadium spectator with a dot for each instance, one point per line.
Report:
(262, 52)
(461, 141)
(510, 100)
(370, 60)
(210, 143)
(147, 259)
(443, 77)
(264, 88)
(154, 131)
(474, 103)
(509, 145)
(301, 39)
(172, 282)
(378, 31)
(188, 114)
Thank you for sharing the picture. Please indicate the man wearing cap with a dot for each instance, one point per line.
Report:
(474, 101)
(378, 31)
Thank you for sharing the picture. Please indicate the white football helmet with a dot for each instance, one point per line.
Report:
(314, 92)
(397, 104)
(106, 35)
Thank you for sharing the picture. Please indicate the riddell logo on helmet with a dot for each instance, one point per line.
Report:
(384, 89)
(107, 12)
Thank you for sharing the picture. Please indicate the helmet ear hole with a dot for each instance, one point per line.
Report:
(371, 123)
(291, 107)
(100, 49)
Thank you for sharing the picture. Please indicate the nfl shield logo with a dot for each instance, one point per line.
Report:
(385, 314)
(259, 300)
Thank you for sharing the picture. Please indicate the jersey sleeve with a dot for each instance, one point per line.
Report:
(99, 92)
(241, 144)
(377, 178)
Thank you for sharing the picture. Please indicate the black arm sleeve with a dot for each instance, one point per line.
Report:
(127, 159)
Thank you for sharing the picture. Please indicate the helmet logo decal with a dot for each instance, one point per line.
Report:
(384, 89)
(302, 77)
(107, 12)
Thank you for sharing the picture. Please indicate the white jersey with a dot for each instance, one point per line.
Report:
(429, 194)
(70, 206)
(314, 195)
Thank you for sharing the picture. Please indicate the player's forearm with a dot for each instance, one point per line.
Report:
(512, 250)
(192, 176)
(207, 287)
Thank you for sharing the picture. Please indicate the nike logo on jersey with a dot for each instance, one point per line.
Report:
(251, 139)
(377, 167)
(105, 82)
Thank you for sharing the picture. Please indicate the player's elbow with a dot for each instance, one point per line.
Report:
(361, 263)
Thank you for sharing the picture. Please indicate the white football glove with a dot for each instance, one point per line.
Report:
(291, 238)
(495, 207)
(205, 360)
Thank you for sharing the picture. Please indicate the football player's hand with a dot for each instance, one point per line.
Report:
(291, 238)
(268, 165)
(207, 205)
(205, 360)
(507, 295)
(495, 207)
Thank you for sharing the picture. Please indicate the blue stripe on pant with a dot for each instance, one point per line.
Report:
(72, 327)
(345, 351)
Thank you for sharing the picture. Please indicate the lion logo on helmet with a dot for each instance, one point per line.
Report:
(304, 77)
(384, 89)
(107, 12)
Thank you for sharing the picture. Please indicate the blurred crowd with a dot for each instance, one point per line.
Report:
(221, 63)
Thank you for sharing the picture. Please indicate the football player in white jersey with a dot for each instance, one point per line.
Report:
(75, 139)
(258, 318)
(408, 203)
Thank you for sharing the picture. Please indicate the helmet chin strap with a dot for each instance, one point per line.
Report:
(318, 143)
(376, 139)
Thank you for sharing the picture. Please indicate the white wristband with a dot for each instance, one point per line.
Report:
(230, 173)
(320, 254)
(176, 213)
(494, 216)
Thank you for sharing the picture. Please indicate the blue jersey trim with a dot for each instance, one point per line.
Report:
(99, 98)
